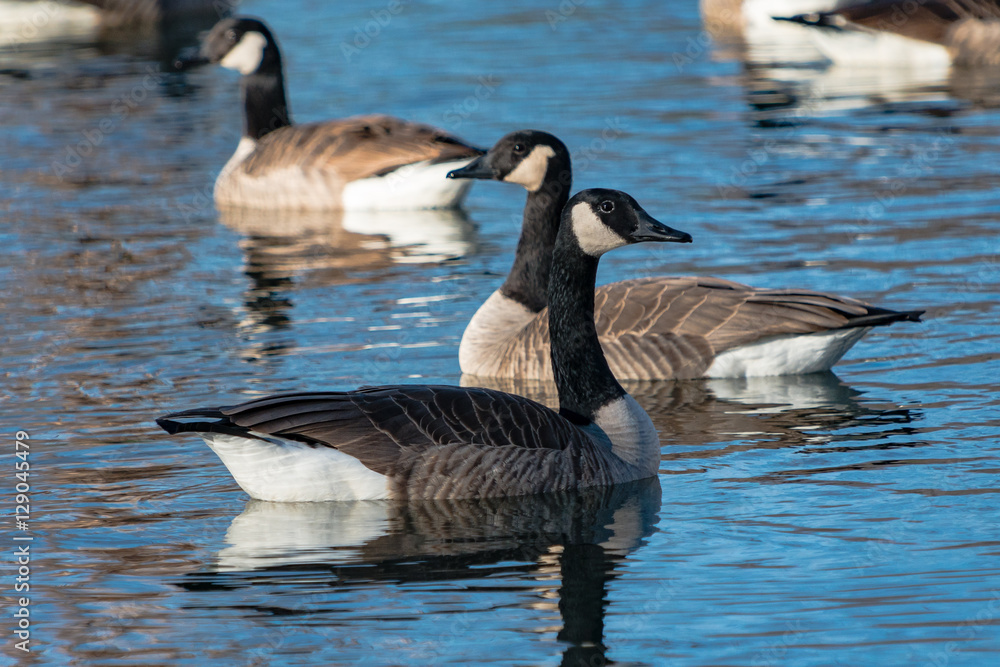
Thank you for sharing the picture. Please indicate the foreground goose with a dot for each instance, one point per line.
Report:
(364, 162)
(453, 442)
(963, 32)
(651, 328)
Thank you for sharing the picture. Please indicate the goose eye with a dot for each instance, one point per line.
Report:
(519, 148)
(231, 35)
(607, 206)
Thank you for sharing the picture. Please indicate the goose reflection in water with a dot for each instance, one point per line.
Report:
(579, 538)
(816, 410)
(329, 248)
(794, 70)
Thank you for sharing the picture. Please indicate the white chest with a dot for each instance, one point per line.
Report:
(496, 321)
(631, 432)
(243, 150)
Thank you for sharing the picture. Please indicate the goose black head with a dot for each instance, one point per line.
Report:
(602, 220)
(524, 157)
(241, 43)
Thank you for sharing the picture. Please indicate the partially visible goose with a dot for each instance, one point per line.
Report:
(651, 328)
(135, 13)
(962, 32)
(453, 442)
(730, 18)
(363, 162)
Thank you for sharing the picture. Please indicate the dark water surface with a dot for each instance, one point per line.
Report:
(834, 519)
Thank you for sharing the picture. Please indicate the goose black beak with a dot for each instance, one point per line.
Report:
(475, 169)
(651, 229)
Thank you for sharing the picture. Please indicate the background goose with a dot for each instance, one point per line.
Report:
(143, 12)
(964, 32)
(650, 328)
(452, 442)
(730, 18)
(363, 162)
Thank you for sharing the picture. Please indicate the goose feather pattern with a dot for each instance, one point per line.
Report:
(676, 327)
(370, 162)
(967, 30)
(427, 441)
(404, 441)
(309, 166)
(658, 328)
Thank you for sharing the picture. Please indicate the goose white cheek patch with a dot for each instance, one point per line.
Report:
(531, 172)
(246, 56)
(594, 237)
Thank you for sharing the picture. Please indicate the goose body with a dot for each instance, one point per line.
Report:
(132, 13)
(657, 328)
(681, 328)
(418, 441)
(414, 441)
(372, 162)
(926, 33)
(733, 17)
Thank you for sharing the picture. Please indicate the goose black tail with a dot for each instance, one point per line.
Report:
(200, 420)
(816, 20)
(876, 317)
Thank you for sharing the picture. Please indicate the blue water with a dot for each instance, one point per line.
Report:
(834, 519)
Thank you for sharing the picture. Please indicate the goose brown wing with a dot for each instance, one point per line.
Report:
(727, 314)
(355, 148)
(928, 20)
(674, 327)
(379, 426)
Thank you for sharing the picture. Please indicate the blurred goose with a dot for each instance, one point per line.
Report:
(746, 30)
(651, 328)
(453, 442)
(364, 162)
(963, 32)
(145, 12)
(731, 17)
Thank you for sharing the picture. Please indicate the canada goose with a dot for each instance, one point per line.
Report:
(651, 328)
(423, 441)
(729, 18)
(22, 26)
(745, 30)
(145, 12)
(363, 162)
(962, 32)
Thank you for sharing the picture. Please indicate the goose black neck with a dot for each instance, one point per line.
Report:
(528, 280)
(264, 106)
(583, 378)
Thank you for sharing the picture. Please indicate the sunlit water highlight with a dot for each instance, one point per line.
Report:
(832, 519)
